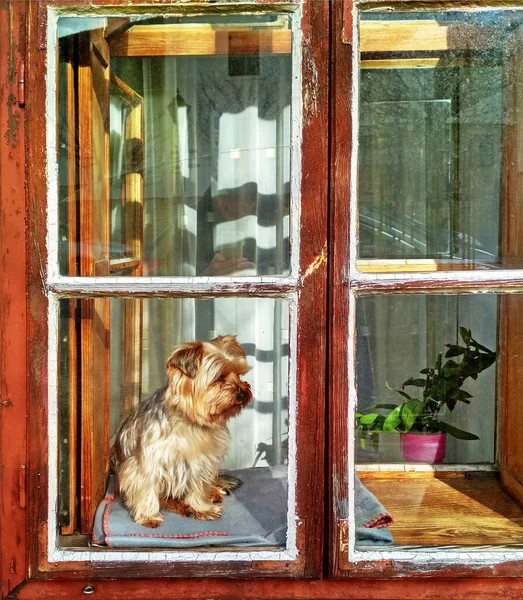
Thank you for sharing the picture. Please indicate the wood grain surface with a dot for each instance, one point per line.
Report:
(441, 511)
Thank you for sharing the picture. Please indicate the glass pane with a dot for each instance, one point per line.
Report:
(440, 140)
(438, 421)
(401, 336)
(133, 351)
(178, 158)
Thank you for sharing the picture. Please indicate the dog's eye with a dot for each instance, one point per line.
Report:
(221, 378)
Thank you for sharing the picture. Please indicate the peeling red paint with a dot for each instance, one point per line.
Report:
(310, 91)
(321, 259)
(11, 136)
(347, 21)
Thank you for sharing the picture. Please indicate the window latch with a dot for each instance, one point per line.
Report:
(22, 486)
(21, 85)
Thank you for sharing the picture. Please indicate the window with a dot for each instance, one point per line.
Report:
(335, 184)
(183, 162)
(433, 358)
(176, 214)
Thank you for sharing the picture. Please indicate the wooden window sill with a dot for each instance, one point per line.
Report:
(446, 509)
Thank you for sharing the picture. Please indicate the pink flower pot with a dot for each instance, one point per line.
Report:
(426, 448)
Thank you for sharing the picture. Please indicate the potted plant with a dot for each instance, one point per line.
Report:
(423, 433)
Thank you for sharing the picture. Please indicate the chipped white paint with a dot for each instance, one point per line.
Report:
(292, 513)
(59, 285)
(320, 260)
(353, 401)
(426, 556)
(168, 285)
(53, 442)
(351, 366)
(57, 556)
(177, 8)
(296, 141)
(478, 557)
(424, 468)
(473, 277)
(355, 117)
(52, 144)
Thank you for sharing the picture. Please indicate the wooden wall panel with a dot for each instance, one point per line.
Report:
(93, 144)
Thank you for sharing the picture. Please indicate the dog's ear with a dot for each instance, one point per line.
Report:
(186, 357)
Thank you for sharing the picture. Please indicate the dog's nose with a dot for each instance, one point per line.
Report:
(241, 396)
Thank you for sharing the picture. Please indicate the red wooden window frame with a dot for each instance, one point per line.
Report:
(311, 331)
(340, 284)
(13, 314)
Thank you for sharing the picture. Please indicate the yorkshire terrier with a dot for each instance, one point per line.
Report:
(169, 450)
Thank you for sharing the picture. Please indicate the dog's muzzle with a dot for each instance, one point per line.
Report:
(241, 396)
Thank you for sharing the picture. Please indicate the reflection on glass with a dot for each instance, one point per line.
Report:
(439, 350)
(121, 348)
(439, 133)
(175, 153)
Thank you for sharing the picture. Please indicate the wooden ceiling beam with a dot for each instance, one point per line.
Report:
(152, 40)
(425, 36)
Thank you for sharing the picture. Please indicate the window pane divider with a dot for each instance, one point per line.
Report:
(173, 286)
(438, 281)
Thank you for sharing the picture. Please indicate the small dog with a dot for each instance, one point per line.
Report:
(169, 450)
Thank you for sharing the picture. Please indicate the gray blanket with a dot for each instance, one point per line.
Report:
(372, 519)
(255, 514)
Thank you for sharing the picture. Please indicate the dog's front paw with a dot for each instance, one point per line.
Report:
(217, 495)
(228, 482)
(214, 512)
(150, 521)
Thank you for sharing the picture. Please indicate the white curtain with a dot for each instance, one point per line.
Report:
(216, 178)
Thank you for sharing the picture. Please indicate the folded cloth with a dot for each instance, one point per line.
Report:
(255, 514)
(372, 518)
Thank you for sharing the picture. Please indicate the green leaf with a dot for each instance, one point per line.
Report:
(442, 388)
(385, 406)
(393, 420)
(454, 431)
(409, 414)
(417, 382)
(404, 394)
(454, 351)
(368, 419)
(454, 394)
(451, 403)
(481, 347)
(464, 396)
(466, 335)
(483, 361)
(450, 368)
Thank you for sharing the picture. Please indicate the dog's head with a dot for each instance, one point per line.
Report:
(205, 380)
